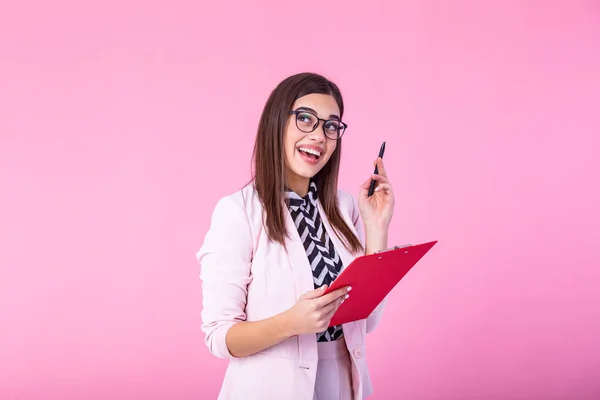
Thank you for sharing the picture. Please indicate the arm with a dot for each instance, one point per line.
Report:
(248, 338)
(226, 259)
(373, 240)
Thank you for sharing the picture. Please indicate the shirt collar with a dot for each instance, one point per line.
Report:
(310, 198)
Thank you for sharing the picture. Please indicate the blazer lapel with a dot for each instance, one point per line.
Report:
(298, 258)
(307, 345)
(351, 329)
(308, 354)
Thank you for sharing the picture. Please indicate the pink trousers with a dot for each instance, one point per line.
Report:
(334, 372)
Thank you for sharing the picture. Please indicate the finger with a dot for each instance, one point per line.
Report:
(380, 178)
(380, 171)
(363, 192)
(331, 297)
(364, 188)
(385, 187)
(366, 184)
(380, 166)
(313, 294)
(327, 317)
(331, 307)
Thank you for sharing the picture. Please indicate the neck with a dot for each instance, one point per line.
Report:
(298, 184)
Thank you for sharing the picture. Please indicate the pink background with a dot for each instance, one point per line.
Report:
(122, 124)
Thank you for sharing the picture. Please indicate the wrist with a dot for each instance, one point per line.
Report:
(376, 238)
(376, 226)
(286, 324)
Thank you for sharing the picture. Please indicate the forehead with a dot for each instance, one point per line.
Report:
(324, 104)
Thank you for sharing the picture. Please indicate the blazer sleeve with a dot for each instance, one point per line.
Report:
(225, 259)
(375, 317)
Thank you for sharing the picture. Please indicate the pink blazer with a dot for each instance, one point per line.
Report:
(247, 278)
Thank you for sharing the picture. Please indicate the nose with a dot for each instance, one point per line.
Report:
(318, 134)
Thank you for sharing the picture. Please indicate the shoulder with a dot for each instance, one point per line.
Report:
(243, 201)
(240, 210)
(233, 200)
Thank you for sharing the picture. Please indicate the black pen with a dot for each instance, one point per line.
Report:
(372, 186)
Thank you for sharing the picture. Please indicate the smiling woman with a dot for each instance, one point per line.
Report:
(274, 246)
(317, 149)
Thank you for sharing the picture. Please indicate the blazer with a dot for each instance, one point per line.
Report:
(246, 277)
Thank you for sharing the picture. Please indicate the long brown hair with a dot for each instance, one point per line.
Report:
(269, 170)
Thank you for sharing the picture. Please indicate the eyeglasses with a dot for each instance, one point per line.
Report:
(308, 122)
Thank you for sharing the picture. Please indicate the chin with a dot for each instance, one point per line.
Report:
(304, 171)
(308, 174)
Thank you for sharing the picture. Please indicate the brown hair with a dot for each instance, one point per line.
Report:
(269, 170)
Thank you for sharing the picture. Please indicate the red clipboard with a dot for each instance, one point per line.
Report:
(372, 277)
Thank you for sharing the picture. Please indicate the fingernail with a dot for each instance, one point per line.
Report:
(349, 288)
(377, 188)
(346, 297)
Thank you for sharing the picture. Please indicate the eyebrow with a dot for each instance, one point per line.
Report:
(332, 116)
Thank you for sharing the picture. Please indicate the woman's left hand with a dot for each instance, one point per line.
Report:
(377, 210)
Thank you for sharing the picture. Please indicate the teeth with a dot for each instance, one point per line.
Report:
(311, 151)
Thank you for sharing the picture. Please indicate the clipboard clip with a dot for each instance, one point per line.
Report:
(393, 248)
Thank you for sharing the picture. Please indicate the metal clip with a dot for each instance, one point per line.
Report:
(394, 248)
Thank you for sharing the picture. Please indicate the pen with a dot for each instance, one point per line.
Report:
(372, 186)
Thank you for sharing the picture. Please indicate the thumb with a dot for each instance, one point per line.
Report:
(364, 188)
(313, 294)
(366, 184)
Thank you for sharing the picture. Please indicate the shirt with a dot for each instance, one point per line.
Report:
(322, 255)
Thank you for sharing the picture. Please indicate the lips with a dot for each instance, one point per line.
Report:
(316, 150)
(310, 154)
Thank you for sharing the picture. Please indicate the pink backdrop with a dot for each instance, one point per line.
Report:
(122, 124)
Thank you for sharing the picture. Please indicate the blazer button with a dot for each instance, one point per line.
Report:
(358, 353)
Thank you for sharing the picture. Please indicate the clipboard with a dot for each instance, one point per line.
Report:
(372, 278)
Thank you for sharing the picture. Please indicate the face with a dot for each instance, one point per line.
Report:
(307, 153)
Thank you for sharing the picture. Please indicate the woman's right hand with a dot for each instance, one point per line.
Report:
(313, 311)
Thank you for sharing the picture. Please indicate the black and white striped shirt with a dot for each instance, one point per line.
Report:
(322, 255)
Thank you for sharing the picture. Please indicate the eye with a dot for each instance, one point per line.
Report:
(307, 119)
(333, 126)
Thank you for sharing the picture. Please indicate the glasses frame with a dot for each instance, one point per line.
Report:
(325, 121)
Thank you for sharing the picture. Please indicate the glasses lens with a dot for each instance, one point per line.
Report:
(306, 122)
(333, 129)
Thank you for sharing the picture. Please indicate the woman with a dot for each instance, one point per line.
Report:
(274, 246)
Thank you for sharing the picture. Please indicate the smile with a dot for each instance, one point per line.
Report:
(310, 151)
(311, 156)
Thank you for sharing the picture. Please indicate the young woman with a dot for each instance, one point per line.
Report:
(273, 247)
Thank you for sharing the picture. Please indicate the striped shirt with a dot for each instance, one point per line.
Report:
(322, 255)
